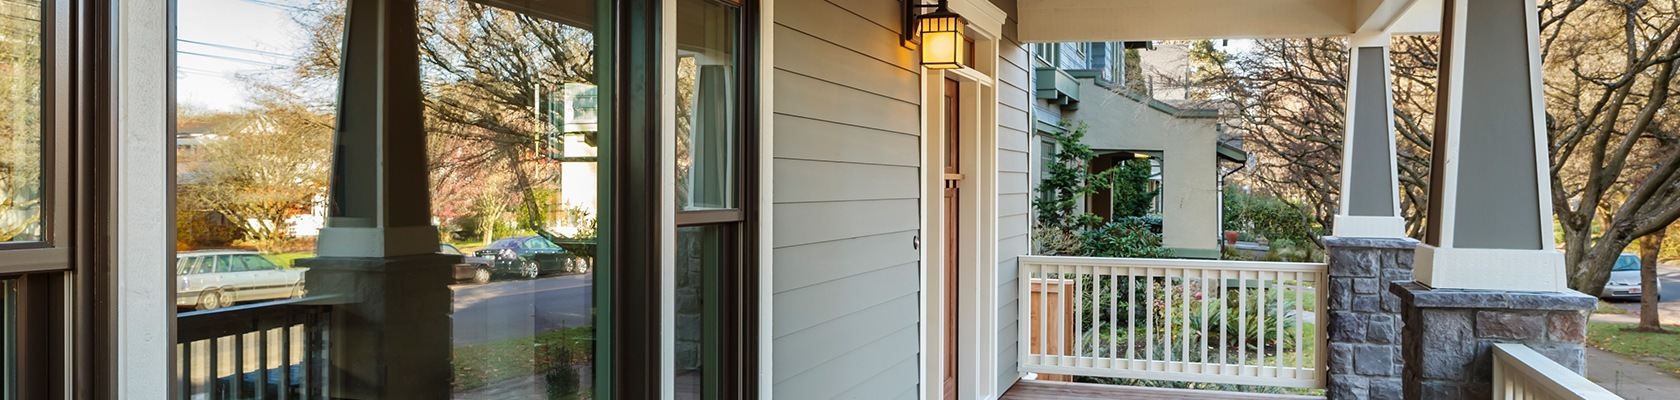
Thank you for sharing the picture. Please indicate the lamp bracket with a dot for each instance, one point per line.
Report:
(912, 10)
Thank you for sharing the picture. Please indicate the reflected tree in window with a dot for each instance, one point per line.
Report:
(20, 120)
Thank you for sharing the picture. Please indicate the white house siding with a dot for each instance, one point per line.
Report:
(847, 159)
(1015, 162)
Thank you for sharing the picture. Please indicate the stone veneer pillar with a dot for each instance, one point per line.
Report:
(1449, 335)
(1362, 319)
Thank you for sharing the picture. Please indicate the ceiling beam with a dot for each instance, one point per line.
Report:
(1129, 20)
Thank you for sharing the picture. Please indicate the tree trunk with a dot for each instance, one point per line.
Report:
(1649, 248)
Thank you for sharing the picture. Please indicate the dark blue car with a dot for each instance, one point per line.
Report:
(530, 256)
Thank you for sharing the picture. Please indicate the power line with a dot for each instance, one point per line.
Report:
(235, 48)
(234, 59)
(275, 5)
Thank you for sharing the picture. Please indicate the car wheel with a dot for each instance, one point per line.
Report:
(568, 265)
(481, 274)
(583, 265)
(211, 300)
(529, 269)
(298, 291)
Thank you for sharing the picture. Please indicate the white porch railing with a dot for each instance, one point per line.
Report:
(1229, 322)
(1520, 373)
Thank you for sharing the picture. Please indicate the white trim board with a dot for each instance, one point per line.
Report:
(140, 201)
(978, 297)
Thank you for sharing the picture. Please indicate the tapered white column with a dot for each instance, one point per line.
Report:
(1370, 201)
(379, 202)
(1490, 216)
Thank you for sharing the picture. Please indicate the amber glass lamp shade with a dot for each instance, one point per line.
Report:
(943, 44)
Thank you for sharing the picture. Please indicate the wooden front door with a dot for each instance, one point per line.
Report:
(953, 179)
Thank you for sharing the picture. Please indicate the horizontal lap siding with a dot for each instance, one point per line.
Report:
(1015, 143)
(847, 193)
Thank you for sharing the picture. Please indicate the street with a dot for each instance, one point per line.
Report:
(1669, 308)
(514, 308)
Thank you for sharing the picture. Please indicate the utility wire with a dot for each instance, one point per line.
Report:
(234, 59)
(235, 48)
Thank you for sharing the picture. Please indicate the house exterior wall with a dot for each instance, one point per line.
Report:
(847, 159)
(1190, 175)
(1016, 158)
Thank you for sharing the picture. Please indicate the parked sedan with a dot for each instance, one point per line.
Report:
(529, 257)
(472, 268)
(1624, 280)
(219, 278)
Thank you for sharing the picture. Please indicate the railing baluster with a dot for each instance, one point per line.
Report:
(1184, 309)
(1113, 314)
(1061, 313)
(262, 364)
(1131, 316)
(1202, 290)
(238, 366)
(1166, 318)
(1224, 320)
(1300, 319)
(1278, 361)
(215, 355)
(1078, 315)
(1242, 320)
(1149, 322)
(1043, 314)
(1260, 320)
(286, 358)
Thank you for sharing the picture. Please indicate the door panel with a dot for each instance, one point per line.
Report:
(952, 199)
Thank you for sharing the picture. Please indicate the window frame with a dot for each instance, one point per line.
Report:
(740, 320)
(52, 251)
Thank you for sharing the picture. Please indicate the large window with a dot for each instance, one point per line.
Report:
(714, 274)
(513, 142)
(35, 149)
(21, 133)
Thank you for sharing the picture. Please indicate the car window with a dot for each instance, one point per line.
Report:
(448, 249)
(227, 263)
(255, 262)
(1627, 263)
(187, 265)
(538, 243)
(506, 243)
(207, 264)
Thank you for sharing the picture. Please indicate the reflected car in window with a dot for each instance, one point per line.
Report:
(212, 279)
(529, 257)
(1624, 280)
(472, 268)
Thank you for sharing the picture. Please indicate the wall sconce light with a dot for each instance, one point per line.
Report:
(943, 43)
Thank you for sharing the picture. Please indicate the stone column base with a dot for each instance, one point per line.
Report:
(1363, 320)
(390, 334)
(1449, 334)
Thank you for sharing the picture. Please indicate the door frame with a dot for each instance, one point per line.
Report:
(978, 299)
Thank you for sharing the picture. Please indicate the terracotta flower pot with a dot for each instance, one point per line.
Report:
(1230, 238)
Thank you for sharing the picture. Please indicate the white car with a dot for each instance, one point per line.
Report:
(1624, 280)
(214, 279)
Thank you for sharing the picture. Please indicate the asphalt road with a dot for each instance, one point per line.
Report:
(513, 308)
(1669, 307)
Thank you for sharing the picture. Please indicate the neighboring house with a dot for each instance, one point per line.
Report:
(1079, 83)
(872, 236)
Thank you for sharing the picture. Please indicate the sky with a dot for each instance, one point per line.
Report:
(219, 39)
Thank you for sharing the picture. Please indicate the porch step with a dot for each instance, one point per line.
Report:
(1048, 390)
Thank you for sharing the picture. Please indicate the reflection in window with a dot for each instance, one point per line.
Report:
(706, 105)
(511, 126)
(20, 121)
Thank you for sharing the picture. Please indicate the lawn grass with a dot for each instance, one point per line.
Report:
(1605, 307)
(483, 364)
(1659, 349)
(285, 259)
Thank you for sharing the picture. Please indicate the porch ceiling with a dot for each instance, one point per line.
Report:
(1130, 20)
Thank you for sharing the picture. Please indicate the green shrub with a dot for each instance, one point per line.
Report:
(1128, 238)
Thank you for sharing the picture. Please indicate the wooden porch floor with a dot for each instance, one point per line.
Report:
(1048, 390)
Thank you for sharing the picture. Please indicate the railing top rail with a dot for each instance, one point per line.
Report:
(208, 324)
(1175, 263)
(1556, 380)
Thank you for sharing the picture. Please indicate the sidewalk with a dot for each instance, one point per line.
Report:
(1631, 379)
